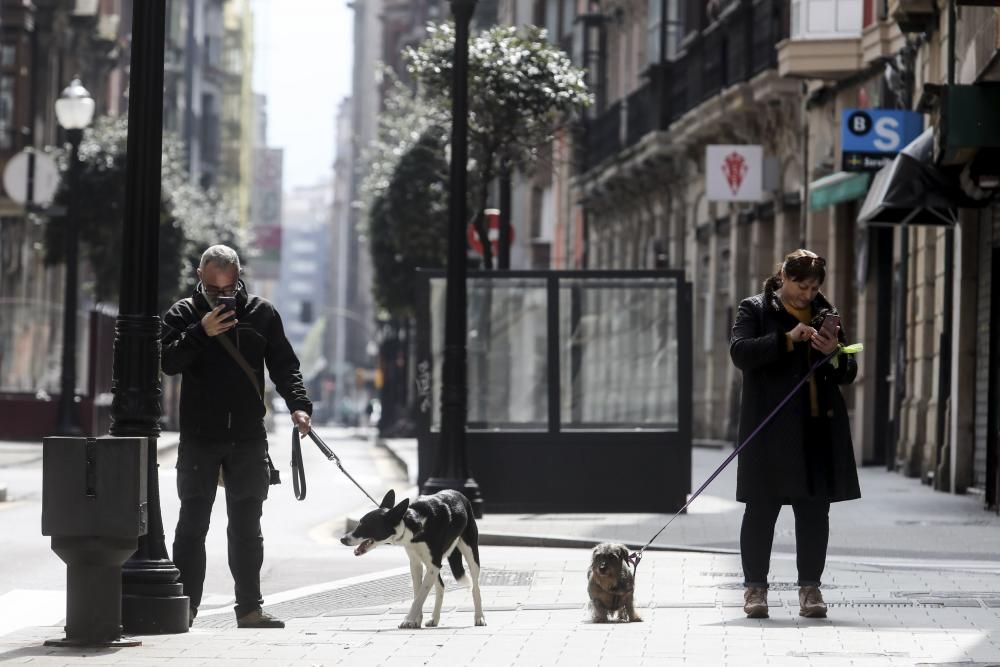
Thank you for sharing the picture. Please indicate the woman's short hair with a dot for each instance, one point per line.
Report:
(799, 265)
(804, 264)
(222, 256)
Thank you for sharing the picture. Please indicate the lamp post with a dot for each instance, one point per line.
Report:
(74, 111)
(451, 470)
(153, 600)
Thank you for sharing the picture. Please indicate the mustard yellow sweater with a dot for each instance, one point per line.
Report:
(804, 315)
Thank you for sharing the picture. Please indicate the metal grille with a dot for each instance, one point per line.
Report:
(776, 586)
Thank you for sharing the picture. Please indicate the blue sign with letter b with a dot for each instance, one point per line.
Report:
(869, 138)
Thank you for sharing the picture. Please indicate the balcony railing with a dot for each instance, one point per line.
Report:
(737, 47)
(603, 135)
(641, 113)
(769, 26)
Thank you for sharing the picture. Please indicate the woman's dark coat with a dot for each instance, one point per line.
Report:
(777, 464)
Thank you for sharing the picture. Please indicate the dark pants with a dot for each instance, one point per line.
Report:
(812, 532)
(245, 471)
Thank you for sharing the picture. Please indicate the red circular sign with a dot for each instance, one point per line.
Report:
(493, 232)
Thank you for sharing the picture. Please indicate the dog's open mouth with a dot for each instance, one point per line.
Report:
(364, 547)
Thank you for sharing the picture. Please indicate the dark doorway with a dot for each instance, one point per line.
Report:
(993, 396)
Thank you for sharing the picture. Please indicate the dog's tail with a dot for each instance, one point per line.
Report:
(471, 538)
(457, 570)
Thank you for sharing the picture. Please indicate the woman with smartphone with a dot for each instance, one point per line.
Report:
(804, 457)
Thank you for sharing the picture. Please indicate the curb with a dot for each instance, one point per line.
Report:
(707, 443)
(381, 444)
(560, 541)
(570, 542)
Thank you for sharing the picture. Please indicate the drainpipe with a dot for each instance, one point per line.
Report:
(942, 478)
(804, 204)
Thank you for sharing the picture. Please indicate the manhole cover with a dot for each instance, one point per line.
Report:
(368, 595)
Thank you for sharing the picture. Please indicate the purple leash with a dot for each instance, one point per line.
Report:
(634, 558)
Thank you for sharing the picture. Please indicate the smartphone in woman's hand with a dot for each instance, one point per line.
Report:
(829, 326)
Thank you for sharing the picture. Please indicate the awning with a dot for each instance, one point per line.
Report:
(836, 188)
(913, 190)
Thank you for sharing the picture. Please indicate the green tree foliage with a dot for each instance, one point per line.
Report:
(404, 119)
(405, 197)
(521, 88)
(409, 223)
(191, 219)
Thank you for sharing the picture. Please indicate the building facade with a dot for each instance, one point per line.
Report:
(671, 77)
(43, 44)
(267, 178)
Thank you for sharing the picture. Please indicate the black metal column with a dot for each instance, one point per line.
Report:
(503, 257)
(451, 470)
(69, 411)
(153, 601)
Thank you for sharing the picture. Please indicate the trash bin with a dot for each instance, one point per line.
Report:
(94, 509)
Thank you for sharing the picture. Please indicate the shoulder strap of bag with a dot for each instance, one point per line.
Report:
(237, 356)
(241, 361)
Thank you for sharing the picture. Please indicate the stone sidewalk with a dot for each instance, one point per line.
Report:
(913, 579)
(882, 613)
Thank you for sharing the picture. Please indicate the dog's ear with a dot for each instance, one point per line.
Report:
(622, 553)
(395, 515)
(389, 500)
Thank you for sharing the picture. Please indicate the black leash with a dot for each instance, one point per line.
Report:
(299, 471)
(635, 557)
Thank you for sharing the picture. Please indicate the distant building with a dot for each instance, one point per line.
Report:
(237, 114)
(304, 282)
(267, 163)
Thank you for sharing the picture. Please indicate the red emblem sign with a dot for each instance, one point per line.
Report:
(734, 168)
(492, 231)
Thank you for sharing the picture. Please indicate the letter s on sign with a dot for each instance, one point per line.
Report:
(889, 138)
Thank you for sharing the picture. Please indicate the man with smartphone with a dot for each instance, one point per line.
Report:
(220, 340)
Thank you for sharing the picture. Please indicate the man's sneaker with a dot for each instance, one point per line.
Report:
(811, 603)
(259, 618)
(755, 602)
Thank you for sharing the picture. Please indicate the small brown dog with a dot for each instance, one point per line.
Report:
(611, 584)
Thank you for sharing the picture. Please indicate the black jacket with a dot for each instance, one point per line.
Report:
(783, 459)
(218, 401)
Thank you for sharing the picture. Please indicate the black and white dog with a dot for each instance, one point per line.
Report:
(429, 529)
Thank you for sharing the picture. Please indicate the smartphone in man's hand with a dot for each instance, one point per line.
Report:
(228, 303)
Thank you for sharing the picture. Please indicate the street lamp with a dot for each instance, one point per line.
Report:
(153, 600)
(74, 111)
(451, 470)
